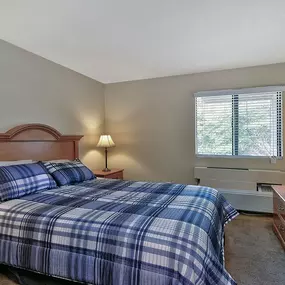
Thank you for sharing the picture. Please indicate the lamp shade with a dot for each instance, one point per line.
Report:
(105, 141)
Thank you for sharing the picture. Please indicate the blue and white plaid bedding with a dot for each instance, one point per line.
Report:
(23, 179)
(70, 172)
(118, 232)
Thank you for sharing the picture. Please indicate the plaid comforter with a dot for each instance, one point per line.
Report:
(119, 232)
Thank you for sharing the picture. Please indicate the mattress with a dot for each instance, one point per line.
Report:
(119, 232)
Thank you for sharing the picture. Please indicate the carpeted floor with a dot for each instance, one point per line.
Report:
(253, 253)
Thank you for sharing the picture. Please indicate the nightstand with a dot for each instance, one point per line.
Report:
(115, 173)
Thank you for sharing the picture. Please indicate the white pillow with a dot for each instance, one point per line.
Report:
(15, 162)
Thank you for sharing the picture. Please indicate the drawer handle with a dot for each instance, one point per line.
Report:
(281, 208)
(281, 228)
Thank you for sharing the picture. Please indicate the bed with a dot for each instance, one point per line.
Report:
(106, 231)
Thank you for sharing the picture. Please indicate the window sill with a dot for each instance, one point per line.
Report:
(236, 157)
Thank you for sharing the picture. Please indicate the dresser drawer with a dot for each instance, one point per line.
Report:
(279, 206)
(279, 226)
(279, 212)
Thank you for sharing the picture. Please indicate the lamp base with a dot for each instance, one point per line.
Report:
(106, 169)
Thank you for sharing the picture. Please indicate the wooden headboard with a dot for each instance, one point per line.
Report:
(37, 142)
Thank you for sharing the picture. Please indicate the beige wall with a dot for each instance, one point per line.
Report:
(152, 122)
(35, 90)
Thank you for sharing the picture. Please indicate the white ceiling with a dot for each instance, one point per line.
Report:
(122, 40)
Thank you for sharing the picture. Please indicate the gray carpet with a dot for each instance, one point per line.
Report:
(253, 253)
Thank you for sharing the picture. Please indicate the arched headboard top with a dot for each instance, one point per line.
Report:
(36, 132)
(37, 142)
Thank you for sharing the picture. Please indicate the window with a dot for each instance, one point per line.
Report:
(245, 122)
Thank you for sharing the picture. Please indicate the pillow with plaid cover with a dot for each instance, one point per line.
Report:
(23, 179)
(71, 172)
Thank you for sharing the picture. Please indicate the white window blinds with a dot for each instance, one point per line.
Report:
(239, 123)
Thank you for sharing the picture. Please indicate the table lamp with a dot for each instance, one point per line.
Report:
(106, 142)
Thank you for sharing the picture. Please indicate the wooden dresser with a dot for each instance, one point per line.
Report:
(279, 213)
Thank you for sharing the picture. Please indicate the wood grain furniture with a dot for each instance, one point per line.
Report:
(279, 212)
(112, 174)
(37, 142)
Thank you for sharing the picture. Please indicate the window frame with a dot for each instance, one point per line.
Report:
(237, 92)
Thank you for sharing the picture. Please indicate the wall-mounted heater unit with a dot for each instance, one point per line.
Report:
(245, 189)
